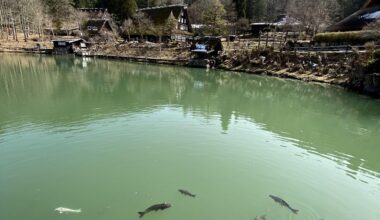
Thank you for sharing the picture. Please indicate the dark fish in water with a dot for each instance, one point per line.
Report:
(263, 217)
(283, 203)
(186, 193)
(156, 207)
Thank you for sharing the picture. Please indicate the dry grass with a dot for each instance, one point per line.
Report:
(146, 51)
(10, 44)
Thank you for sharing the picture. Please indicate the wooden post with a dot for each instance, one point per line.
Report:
(266, 42)
(259, 45)
(286, 38)
(274, 33)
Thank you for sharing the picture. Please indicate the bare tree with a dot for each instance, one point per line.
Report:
(143, 25)
(212, 14)
(314, 15)
(127, 28)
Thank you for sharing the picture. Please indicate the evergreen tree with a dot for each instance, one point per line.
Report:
(212, 14)
(122, 8)
(85, 3)
(347, 7)
(259, 9)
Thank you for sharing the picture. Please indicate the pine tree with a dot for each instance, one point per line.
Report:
(122, 8)
(259, 10)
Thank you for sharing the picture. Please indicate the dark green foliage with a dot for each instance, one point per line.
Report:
(242, 7)
(374, 66)
(85, 3)
(146, 3)
(376, 54)
(347, 7)
(259, 10)
(122, 8)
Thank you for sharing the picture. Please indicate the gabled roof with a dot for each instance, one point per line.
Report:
(99, 24)
(70, 41)
(160, 14)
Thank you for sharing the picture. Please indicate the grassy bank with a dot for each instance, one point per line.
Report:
(356, 71)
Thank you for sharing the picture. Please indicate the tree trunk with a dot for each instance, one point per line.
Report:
(274, 33)
(23, 28)
(1, 23)
(14, 33)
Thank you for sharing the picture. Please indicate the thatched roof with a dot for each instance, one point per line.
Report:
(160, 14)
(96, 25)
(357, 21)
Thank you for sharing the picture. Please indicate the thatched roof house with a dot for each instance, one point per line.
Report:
(99, 24)
(95, 26)
(160, 15)
(357, 21)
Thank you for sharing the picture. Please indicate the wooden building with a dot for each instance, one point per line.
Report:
(67, 46)
(369, 13)
(160, 15)
(281, 23)
(205, 51)
(99, 24)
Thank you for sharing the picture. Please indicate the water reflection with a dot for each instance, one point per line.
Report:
(63, 91)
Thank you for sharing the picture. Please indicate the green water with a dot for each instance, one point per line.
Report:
(113, 138)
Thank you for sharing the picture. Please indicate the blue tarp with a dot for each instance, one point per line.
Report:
(200, 48)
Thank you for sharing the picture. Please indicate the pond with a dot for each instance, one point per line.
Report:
(112, 138)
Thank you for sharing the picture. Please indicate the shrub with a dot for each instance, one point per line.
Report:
(351, 37)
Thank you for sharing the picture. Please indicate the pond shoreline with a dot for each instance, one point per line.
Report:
(356, 84)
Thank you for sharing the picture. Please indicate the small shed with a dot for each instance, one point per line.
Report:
(205, 51)
(207, 46)
(66, 46)
(257, 28)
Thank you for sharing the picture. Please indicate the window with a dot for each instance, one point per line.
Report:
(92, 28)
